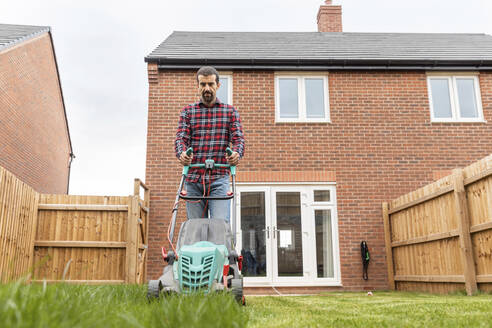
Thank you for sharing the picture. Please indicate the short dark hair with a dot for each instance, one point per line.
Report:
(207, 71)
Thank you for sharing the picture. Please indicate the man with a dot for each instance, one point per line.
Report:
(209, 127)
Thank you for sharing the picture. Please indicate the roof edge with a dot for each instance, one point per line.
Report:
(61, 93)
(328, 68)
(317, 64)
(44, 29)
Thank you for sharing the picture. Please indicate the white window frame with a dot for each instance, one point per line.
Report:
(229, 89)
(301, 92)
(453, 90)
(332, 206)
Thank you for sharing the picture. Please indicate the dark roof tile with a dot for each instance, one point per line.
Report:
(322, 47)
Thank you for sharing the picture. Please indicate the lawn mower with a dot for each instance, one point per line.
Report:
(205, 259)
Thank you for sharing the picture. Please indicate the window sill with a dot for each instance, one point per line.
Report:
(459, 121)
(293, 284)
(310, 121)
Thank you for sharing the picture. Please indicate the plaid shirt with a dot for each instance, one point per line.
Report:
(209, 131)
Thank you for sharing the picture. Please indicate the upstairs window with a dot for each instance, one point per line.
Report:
(224, 93)
(301, 98)
(454, 98)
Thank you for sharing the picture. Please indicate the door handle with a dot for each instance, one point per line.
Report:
(274, 232)
(267, 230)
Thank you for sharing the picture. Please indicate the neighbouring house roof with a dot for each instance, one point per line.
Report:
(13, 34)
(317, 50)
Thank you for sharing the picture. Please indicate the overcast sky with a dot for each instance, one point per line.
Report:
(100, 48)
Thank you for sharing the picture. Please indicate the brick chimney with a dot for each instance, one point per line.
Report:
(329, 18)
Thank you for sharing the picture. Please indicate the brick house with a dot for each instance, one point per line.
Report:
(335, 124)
(34, 137)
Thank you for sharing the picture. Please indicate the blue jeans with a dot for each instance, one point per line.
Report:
(219, 209)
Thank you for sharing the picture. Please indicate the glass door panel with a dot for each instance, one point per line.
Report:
(288, 234)
(324, 243)
(253, 232)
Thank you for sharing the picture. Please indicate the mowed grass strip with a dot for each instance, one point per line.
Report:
(64, 305)
(383, 309)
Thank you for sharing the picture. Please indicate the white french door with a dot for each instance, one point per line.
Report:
(254, 233)
(288, 235)
(290, 253)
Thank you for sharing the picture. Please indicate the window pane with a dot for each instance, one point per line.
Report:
(466, 96)
(253, 234)
(289, 234)
(223, 91)
(440, 98)
(315, 98)
(324, 244)
(288, 98)
(321, 195)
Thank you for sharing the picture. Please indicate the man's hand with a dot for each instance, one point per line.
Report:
(233, 159)
(185, 159)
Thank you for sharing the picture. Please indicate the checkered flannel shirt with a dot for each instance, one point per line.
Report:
(209, 131)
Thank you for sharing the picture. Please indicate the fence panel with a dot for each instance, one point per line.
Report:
(77, 239)
(479, 197)
(81, 239)
(439, 237)
(18, 202)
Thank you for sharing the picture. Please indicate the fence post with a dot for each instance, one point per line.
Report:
(462, 214)
(131, 240)
(34, 227)
(136, 187)
(147, 218)
(389, 249)
(145, 226)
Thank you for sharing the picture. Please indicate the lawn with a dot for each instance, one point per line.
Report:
(126, 306)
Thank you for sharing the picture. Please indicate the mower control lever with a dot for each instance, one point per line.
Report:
(209, 164)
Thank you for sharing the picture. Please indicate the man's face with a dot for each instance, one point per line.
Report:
(207, 87)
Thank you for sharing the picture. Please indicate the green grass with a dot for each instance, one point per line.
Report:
(65, 305)
(384, 309)
(72, 306)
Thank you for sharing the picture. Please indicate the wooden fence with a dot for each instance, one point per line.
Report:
(439, 237)
(18, 206)
(77, 239)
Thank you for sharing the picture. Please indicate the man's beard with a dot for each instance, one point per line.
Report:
(207, 97)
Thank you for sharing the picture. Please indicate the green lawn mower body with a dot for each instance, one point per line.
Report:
(198, 266)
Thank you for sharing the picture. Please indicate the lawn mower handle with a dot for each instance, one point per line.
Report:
(186, 168)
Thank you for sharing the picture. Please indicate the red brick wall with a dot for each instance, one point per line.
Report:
(34, 142)
(330, 18)
(379, 145)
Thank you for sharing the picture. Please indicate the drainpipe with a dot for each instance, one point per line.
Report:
(72, 157)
